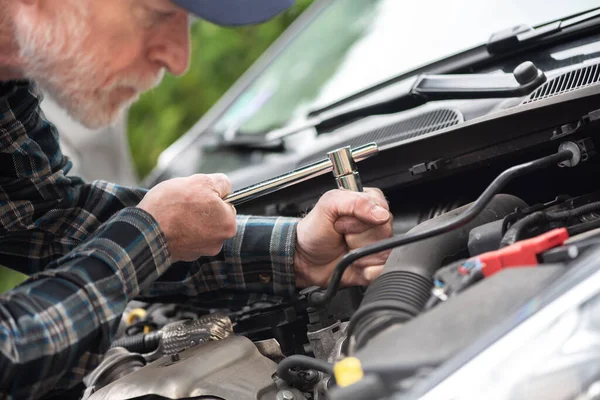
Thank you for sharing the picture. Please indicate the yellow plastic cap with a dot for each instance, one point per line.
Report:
(348, 371)
(136, 314)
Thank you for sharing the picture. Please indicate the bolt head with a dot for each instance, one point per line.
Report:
(573, 252)
(287, 395)
(311, 376)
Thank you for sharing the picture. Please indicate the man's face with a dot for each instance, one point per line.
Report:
(95, 57)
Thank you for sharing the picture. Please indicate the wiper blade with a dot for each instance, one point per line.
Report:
(520, 36)
(246, 143)
(427, 87)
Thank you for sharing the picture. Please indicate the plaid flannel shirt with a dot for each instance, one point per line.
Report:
(89, 251)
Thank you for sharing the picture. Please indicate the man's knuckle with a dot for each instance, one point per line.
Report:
(209, 183)
(388, 229)
(379, 192)
(365, 201)
(376, 193)
(219, 177)
(199, 181)
(330, 195)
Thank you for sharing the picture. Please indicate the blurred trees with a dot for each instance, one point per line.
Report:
(219, 57)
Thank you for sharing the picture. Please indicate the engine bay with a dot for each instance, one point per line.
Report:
(487, 213)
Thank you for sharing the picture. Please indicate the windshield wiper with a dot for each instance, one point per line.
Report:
(245, 143)
(517, 37)
(427, 87)
(513, 40)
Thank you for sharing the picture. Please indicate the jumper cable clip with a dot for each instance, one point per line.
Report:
(521, 254)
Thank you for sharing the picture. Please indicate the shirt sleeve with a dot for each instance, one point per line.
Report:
(259, 260)
(55, 327)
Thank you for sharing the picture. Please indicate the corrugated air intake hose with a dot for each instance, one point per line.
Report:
(404, 286)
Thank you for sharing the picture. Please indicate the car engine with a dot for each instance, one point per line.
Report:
(488, 212)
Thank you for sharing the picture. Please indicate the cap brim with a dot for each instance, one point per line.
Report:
(235, 12)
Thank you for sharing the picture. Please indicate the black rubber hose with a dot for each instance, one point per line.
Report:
(140, 343)
(517, 230)
(583, 227)
(477, 207)
(406, 281)
(301, 362)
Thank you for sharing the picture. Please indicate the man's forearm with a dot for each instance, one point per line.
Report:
(55, 327)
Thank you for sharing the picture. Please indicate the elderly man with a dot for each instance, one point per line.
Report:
(91, 248)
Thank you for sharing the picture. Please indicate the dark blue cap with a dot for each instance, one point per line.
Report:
(235, 12)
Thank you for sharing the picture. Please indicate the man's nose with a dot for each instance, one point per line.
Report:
(171, 46)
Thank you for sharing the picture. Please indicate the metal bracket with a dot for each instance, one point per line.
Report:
(569, 129)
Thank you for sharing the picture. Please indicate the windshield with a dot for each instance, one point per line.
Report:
(354, 44)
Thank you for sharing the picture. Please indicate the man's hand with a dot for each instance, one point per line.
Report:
(191, 213)
(342, 221)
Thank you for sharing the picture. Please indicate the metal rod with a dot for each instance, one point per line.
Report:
(294, 177)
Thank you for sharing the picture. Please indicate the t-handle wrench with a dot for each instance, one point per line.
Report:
(341, 161)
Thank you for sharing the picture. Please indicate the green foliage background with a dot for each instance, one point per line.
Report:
(219, 57)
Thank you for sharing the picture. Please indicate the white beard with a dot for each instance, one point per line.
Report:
(56, 58)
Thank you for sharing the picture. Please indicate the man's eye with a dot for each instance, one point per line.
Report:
(162, 15)
(156, 16)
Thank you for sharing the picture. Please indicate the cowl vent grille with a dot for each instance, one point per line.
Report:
(418, 125)
(567, 82)
(412, 127)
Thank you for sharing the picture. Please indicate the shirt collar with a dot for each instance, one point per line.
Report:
(18, 100)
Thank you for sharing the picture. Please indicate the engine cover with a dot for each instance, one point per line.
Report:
(229, 369)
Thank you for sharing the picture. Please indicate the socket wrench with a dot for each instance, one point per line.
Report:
(342, 162)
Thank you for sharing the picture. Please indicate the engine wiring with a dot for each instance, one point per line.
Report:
(322, 297)
(518, 229)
